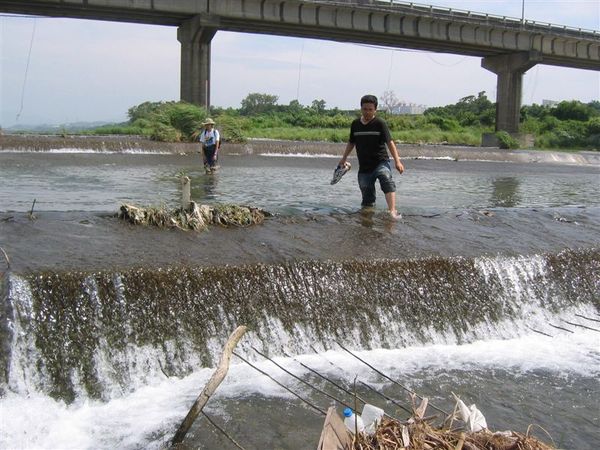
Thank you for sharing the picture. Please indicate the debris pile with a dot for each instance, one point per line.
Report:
(459, 432)
(419, 434)
(196, 217)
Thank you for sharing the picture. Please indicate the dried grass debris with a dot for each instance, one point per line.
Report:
(418, 434)
(196, 217)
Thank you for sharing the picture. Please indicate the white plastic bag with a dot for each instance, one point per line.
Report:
(371, 416)
(473, 418)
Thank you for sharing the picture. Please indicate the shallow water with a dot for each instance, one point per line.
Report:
(515, 375)
(282, 184)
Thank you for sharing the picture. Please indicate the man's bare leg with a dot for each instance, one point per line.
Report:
(390, 198)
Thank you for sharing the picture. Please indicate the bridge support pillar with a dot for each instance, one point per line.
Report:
(510, 69)
(195, 37)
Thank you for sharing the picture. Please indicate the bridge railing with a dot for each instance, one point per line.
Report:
(440, 12)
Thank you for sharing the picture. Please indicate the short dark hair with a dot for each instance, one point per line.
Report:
(368, 99)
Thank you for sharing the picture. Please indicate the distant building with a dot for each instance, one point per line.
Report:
(409, 108)
(550, 103)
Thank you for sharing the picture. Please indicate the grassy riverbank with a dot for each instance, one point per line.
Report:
(570, 125)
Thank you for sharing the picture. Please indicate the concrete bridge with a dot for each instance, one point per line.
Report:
(508, 47)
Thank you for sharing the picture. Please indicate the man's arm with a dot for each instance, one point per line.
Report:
(395, 155)
(349, 148)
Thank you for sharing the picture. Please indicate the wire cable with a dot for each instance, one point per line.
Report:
(300, 70)
(27, 69)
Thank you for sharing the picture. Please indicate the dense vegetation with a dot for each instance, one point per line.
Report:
(568, 125)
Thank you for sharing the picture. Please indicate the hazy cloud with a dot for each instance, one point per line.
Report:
(86, 70)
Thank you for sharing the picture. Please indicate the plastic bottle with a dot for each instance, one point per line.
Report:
(353, 421)
(371, 417)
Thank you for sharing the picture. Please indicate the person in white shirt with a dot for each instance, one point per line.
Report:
(210, 140)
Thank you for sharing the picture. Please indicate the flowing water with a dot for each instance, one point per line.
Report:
(285, 184)
(113, 357)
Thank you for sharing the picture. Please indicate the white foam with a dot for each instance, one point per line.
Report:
(60, 151)
(299, 155)
(148, 417)
(435, 158)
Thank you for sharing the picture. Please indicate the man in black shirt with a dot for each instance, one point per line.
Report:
(370, 135)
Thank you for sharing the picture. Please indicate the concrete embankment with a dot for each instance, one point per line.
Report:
(41, 143)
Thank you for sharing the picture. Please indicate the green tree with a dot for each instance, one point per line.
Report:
(595, 105)
(534, 111)
(469, 111)
(256, 103)
(143, 110)
(318, 106)
(294, 107)
(573, 110)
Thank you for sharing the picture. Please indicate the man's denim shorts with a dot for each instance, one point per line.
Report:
(366, 182)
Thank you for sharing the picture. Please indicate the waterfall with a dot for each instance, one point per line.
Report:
(101, 334)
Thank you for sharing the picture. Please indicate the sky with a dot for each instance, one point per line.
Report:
(59, 71)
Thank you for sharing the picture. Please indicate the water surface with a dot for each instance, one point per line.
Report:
(283, 184)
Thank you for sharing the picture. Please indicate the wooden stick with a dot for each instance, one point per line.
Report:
(211, 386)
(31, 216)
(185, 192)
(6, 257)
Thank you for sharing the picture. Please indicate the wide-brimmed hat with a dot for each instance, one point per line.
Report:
(208, 121)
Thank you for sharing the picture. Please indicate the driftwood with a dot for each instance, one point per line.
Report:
(211, 386)
(335, 434)
(185, 192)
(6, 258)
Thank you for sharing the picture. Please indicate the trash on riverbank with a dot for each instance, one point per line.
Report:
(463, 429)
(419, 434)
(196, 217)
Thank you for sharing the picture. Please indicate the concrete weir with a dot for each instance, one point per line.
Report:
(509, 47)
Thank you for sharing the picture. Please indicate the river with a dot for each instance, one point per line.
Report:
(488, 287)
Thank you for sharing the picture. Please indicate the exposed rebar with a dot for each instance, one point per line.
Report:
(540, 332)
(587, 318)
(280, 384)
(390, 379)
(381, 394)
(560, 328)
(341, 388)
(233, 441)
(389, 399)
(300, 379)
(581, 326)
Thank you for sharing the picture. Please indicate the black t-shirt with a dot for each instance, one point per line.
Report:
(370, 141)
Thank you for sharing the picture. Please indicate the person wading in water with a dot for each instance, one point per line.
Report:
(372, 139)
(210, 140)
